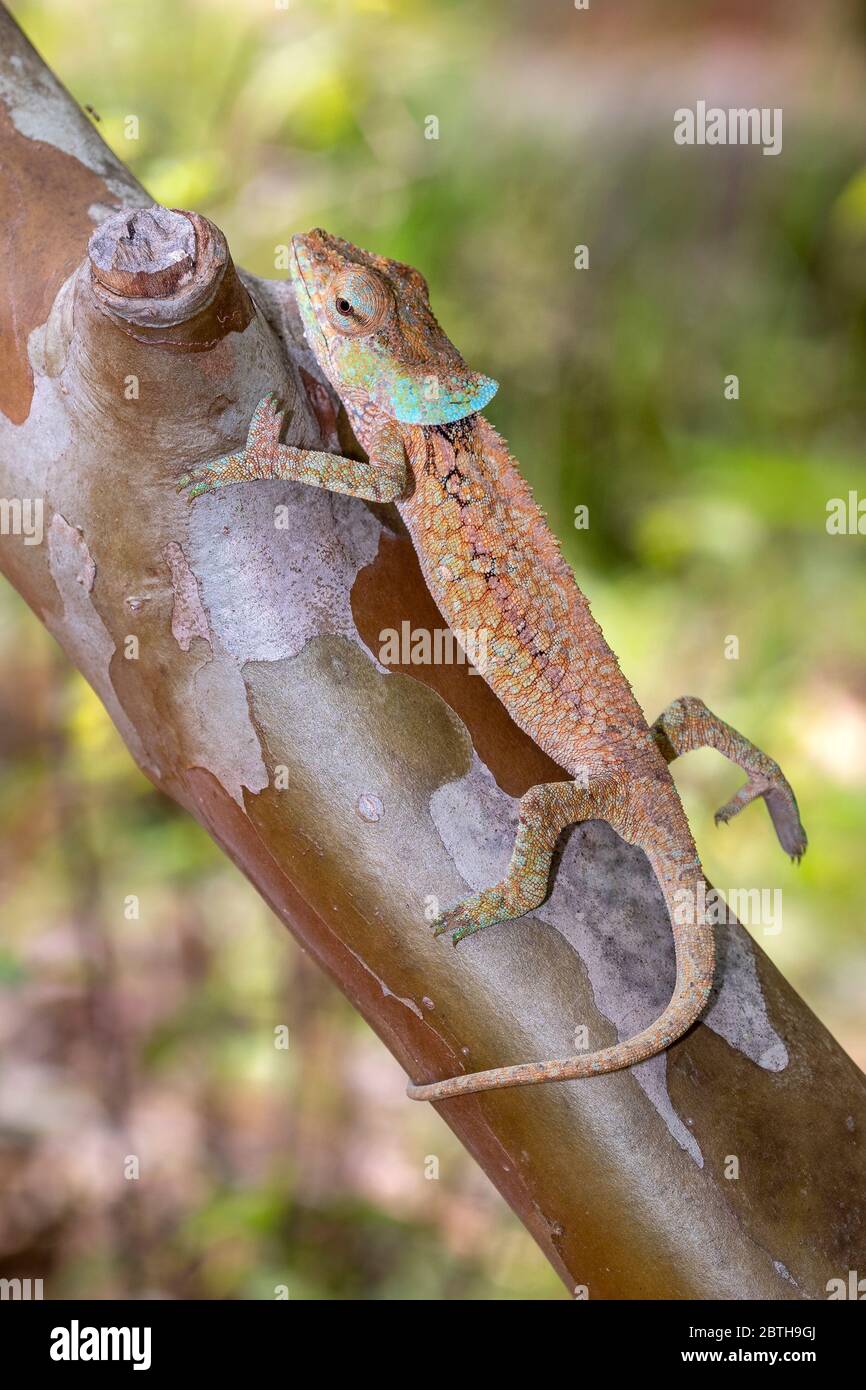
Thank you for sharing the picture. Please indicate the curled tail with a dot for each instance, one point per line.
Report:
(680, 878)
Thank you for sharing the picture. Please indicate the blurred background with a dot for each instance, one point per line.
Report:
(707, 521)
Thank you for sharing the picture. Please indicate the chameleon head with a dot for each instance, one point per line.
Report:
(368, 320)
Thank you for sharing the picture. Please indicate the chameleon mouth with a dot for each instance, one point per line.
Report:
(308, 255)
(300, 261)
(302, 266)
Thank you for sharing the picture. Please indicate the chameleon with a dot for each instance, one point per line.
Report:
(493, 565)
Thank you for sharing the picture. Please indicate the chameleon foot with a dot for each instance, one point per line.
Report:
(781, 805)
(688, 724)
(248, 463)
(209, 476)
(483, 910)
(545, 811)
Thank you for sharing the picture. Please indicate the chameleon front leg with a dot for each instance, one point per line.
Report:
(383, 479)
(688, 724)
(545, 811)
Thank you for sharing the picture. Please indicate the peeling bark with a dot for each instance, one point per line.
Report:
(257, 615)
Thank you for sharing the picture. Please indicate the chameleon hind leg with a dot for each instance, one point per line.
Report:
(688, 724)
(383, 479)
(545, 811)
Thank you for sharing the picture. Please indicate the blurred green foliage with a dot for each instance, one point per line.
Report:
(707, 520)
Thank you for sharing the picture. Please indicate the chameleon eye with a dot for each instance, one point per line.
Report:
(359, 301)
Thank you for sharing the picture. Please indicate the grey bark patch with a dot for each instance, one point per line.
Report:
(268, 590)
(265, 591)
(780, 1269)
(81, 629)
(629, 956)
(48, 344)
(188, 617)
(235, 759)
(738, 1012)
(70, 561)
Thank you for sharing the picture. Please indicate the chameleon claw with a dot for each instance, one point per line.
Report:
(440, 924)
(192, 484)
(483, 910)
(445, 923)
(462, 932)
(209, 476)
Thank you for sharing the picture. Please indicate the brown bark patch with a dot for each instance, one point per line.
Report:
(45, 195)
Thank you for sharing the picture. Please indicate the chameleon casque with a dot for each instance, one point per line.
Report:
(492, 565)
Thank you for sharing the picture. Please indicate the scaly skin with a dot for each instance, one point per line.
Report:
(495, 571)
